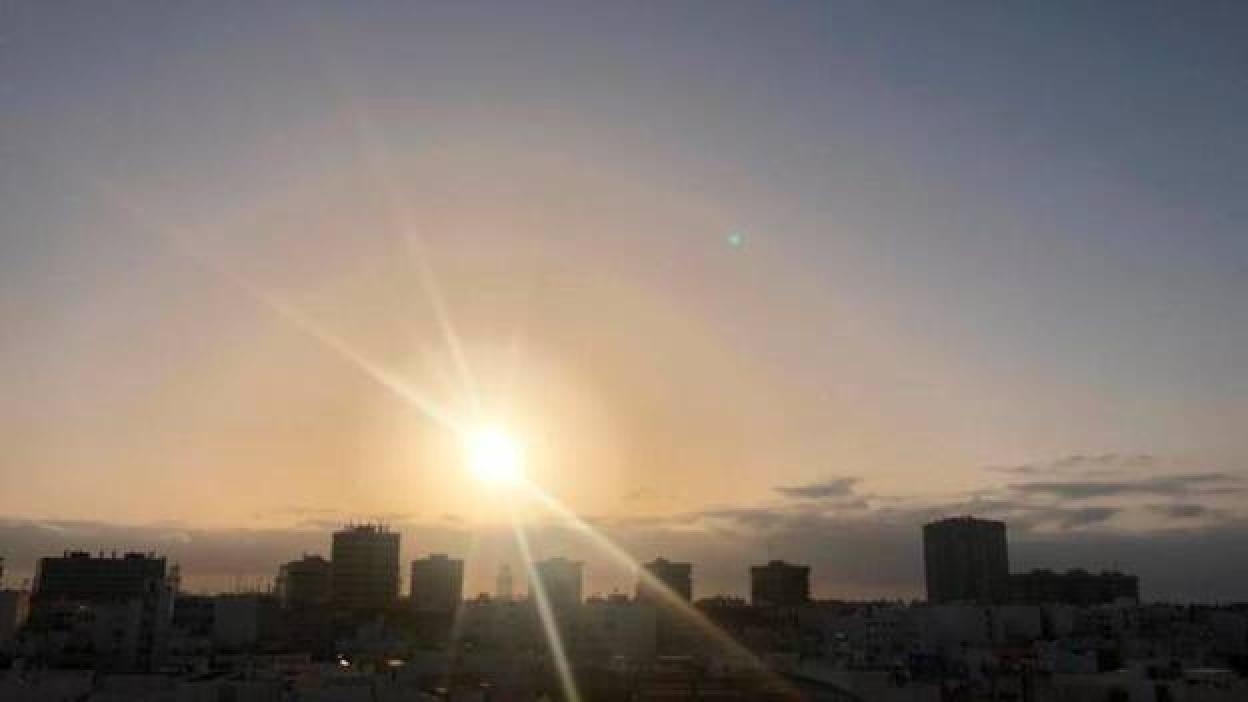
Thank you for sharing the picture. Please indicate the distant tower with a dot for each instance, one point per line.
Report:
(504, 587)
(966, 560)
(175, 579)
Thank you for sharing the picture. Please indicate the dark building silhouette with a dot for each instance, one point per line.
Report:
(246, 621)
(560, 578)
(193, 615)
(437, 583)
(364, 573)
(1074, 587)
(779, 584)
(504, 585)
(677, 577)
(966, 560)
(673, 632)
(304, 583)
(119, 608)
(77, 576)
(14, 609)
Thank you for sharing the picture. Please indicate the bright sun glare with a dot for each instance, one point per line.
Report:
(494, 457)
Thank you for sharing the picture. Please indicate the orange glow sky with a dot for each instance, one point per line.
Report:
(690, 260)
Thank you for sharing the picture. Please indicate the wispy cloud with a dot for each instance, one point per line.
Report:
(1097, 464)
(832, 487)
(1166, 485)
(858, 545)
(1184, 510)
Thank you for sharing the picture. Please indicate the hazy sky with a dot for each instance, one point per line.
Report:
(747, 279)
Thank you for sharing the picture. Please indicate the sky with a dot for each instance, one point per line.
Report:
(746, 280)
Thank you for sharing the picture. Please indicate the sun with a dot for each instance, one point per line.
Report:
(494, 456)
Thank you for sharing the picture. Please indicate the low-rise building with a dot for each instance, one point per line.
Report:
(1074, 587)
(304, 583)
(14, 609)
(779, 584)
(437, 584)
(113, 610)
(245, 621)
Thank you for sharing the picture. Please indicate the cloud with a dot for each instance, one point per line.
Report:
(1085, 516)
(649, 495)
(1108, 460)
(833, 487)
(1168, 485)
(1098, 464)
(853, 553)
(859, 546)
(878, 552)
(1182, 510)
(749, 518)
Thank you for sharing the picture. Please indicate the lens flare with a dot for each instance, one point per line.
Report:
(494, 456)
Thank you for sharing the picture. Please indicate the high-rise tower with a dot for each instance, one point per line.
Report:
(966, 560)
(364, 571)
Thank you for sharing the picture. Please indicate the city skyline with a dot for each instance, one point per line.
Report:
(91, 623)
(366, 572)
(965, 560)
(747, 283)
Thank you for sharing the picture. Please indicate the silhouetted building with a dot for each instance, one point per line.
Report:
(779, 584)
(437, 583)
(193, 615)
(1074, 587)
(673, 630)
(79, 577)
(119, 608)
(304, 583)
(966, 560)
(364, 572)
(677, 577)
(504, 586)
(730, 614)
(14, 608)
(617, 628)
(245, 621)
(561, 581)
(174, 579)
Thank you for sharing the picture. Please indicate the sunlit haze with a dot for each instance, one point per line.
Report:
(494, 456)
(740, 281)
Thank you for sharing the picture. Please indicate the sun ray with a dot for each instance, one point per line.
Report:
(179, 239)
(494, 457)
(547, 616)
(670, 598)
(374, 155)
(433, 292)
(457, 621)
